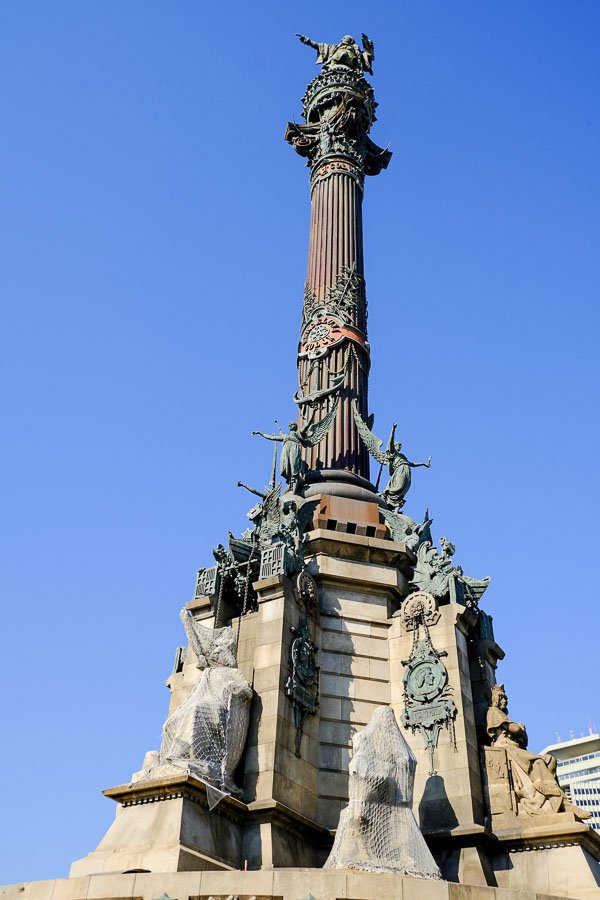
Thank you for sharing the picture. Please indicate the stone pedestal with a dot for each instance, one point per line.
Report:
(166, 826)
(275, 779)
(556, 856)
(282, 884)
(294, 774)
(545, 851)
(359, 586)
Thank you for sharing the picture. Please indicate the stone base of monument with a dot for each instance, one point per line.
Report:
(273, 884)
(550, 861)
(167, 826)
(341, 514)
(294, 772)
(555, 859)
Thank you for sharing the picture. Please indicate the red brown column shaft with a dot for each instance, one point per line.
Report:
(335, 246)
(333, 353)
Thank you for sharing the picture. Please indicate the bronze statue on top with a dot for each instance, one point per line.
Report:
(345, 54)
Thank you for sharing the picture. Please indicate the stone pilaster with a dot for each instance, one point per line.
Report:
(280, 788)
(453, 797)
(360, 585)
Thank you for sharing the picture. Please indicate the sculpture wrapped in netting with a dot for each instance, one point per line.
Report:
(377, 830)
(206, 734)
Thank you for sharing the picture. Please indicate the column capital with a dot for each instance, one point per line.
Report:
(339, 110)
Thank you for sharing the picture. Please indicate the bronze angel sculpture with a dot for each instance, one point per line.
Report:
(291, 464)
(275, 519)
(266, 514)
(398, 464)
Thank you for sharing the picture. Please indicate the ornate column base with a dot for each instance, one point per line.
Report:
(339, 483)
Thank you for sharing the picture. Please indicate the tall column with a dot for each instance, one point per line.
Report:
(333, 353)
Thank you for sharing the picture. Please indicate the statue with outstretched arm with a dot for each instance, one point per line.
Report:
(291, 464)
(252, 490)
(306, 40)
(345, 54)
(398, 464)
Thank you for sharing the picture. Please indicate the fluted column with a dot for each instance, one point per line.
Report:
(333, 353)
(335, 256)
(335, 228)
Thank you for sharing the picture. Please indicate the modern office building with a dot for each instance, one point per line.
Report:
(578, 772)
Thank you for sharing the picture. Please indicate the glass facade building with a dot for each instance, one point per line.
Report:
(578, 772)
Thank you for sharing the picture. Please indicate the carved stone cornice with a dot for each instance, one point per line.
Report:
(174, 787)
(188, 788)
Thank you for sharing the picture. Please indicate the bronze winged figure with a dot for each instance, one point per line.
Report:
(291, 464)
(398, 464)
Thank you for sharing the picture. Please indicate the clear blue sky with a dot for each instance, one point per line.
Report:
(154, 236)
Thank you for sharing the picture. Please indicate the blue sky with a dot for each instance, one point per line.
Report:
(154, 236)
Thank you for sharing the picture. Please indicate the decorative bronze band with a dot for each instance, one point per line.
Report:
(336, 166)
(329, 86)
(326, 332)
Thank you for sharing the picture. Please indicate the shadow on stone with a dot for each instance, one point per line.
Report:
(435, 810)
(247, 770)
(437, 814)
(503, 862)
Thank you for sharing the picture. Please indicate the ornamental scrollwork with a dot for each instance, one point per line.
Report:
(428, 702)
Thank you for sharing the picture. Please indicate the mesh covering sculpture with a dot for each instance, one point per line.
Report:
(206, 734)
(377, 831)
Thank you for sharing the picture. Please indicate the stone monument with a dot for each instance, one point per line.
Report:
(329, 620)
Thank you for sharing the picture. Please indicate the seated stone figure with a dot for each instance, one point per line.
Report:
(533, 777)
(206, 734)
(377, 831)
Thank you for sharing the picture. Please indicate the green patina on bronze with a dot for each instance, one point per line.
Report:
(434, 571)
(302, 684)
(346, 53)
(428, 703)
(398, 464)
(291, 464)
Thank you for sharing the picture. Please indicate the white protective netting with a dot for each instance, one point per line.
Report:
(377, 831)
(206, 734)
